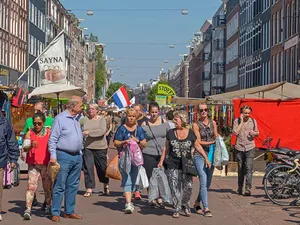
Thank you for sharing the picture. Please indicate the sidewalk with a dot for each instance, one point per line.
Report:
(227, 208)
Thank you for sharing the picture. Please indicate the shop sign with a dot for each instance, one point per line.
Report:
(4, 74)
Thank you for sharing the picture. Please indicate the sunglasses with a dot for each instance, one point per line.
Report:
(38, 123)
(203, 110)
(38, 111)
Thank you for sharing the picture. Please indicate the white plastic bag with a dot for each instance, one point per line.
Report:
(224, 151)
(142, 179)
(217, 162)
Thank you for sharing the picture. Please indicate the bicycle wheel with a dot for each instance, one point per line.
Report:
(281, 186)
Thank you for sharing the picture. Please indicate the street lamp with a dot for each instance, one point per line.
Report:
(171, 46)
(184, 12)
(83, 28)
(90, 13)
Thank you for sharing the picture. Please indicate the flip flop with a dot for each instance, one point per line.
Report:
(87, 194)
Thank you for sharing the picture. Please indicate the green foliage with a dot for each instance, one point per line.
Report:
(93, 38)
(100, 73)
(153, 91)
(113, 87)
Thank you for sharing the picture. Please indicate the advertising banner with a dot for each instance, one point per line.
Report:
(52, 63)
(161, 100)
(20, 115)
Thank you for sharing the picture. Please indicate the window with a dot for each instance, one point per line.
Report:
(32, 13)
(273, 29)
(232, 26)
(232, 52)
(232, 77)
(288, 21)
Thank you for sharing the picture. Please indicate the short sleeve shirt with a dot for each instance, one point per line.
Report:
(123, 134)
(178, 148)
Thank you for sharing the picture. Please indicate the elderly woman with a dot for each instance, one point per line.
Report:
(129, 131)
(95, 149)
(180, 142)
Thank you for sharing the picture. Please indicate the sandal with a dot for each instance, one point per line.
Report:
(87, 194)
(187, 212)
(153, 204)
(106, 191)
(161, 205)
(176, 215)
(198, 209)
(207, 213)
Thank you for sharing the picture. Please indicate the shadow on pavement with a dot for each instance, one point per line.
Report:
(223, 191)
(114, 206)
(20, 207)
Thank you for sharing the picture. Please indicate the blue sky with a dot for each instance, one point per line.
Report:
(157, 27)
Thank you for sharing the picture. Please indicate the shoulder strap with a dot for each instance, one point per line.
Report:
(154, 138)
(253, 124)
(239, 121)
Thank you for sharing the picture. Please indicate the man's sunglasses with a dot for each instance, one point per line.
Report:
(203, 110)
(38, 123)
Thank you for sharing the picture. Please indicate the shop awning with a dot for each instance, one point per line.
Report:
(187, 101)
(55, 90)
(281, 90)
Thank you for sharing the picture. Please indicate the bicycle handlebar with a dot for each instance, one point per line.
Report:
(296, 161)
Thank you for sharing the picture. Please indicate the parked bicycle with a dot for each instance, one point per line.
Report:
(282, 178)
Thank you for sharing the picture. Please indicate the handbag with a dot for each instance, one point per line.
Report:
(188, 165)
(112, 170)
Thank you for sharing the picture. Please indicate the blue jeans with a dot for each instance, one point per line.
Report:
(129, 180)
(205, 178)
(66, 183)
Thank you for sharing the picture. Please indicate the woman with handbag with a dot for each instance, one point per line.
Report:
(206, 132)
(95, 150)
(156, 130)
(130, 131)
(180, 167)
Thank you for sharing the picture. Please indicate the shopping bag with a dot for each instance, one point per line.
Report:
(142, 179)
(125, 161)
(211, 153)
(217, 160)
(159, 186)
(135, 153)
(112, 170)
(224, 151)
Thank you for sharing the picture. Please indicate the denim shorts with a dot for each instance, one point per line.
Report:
(129, 180)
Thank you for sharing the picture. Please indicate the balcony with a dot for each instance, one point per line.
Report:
(206, 75)
(218, 68)
(219, 44)
(219, 21)
(207, 36)
(206, 56)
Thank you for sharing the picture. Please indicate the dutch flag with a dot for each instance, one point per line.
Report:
(121, 98)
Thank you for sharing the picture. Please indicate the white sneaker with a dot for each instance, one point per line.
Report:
(129, 208)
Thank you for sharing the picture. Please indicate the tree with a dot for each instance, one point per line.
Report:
(153, 91)
(113, 87)
(93, 38)
(100, 73)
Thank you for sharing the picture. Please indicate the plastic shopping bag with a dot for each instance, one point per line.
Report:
(211, 153)
(125, 161)
(142, 179)
(224, 151)
(217, 155)
(135, 153)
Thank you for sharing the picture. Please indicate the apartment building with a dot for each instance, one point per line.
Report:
(218, 50)
(176, 79)
(36, 39)
(232, 45)
(206, 54)
(13, 40)
(250, 43)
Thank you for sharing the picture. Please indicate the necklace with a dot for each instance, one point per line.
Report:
(41, 133)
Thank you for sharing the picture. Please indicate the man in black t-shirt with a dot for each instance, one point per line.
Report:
(140, 114)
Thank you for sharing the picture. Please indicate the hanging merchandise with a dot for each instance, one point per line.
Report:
(217, 112)
(212, 112)
(191, 116)
(184, 108)
(187, 109)
(229, 117)
(195, 114)
(224, 112)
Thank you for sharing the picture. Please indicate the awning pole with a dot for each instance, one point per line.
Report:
(281, 91)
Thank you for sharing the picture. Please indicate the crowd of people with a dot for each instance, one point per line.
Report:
(75, 141)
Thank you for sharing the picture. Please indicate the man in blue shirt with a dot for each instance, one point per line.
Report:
(65, 145)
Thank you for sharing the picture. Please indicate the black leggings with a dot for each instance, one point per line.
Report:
(98, 159)
(150, 162)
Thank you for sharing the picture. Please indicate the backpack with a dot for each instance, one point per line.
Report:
(18, 98)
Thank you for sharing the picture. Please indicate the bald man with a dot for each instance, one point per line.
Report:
(65, 145)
